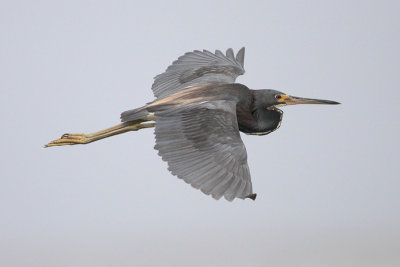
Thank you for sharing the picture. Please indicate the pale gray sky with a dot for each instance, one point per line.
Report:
(327, 181)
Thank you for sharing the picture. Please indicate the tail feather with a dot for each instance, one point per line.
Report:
(134, 114)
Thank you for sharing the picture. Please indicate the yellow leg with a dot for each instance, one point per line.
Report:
(74, 139)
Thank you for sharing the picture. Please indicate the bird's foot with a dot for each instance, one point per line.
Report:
(69, 139)
(74, 139)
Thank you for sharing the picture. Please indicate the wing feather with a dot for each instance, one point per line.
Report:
(202, 145)
(199, 67)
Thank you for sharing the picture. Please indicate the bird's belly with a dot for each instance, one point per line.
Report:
(246, 122)
(253, 130)
(261, 124)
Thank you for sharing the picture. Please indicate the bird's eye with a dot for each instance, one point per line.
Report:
(278, 96)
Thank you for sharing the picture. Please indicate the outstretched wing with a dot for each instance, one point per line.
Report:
(199, 67)
(202, 145)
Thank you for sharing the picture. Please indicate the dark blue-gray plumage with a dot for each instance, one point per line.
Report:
(198, 113)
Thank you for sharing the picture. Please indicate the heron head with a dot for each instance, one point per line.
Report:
(273, 98)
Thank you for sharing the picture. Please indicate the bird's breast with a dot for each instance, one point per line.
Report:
(259, 122)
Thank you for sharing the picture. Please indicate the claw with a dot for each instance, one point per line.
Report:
(68, 139)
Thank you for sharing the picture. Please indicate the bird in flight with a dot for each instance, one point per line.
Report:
(198, 113)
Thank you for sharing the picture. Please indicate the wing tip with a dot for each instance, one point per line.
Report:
(229, 54)
(240, 56)
(252, 196)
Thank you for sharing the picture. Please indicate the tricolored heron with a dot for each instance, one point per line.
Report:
(198, 113)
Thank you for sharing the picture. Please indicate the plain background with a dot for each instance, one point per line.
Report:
(327, 181)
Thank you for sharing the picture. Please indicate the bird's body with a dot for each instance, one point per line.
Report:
(252, 118)
(198, 113)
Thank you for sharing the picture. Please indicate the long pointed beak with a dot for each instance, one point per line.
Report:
(294, 100)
